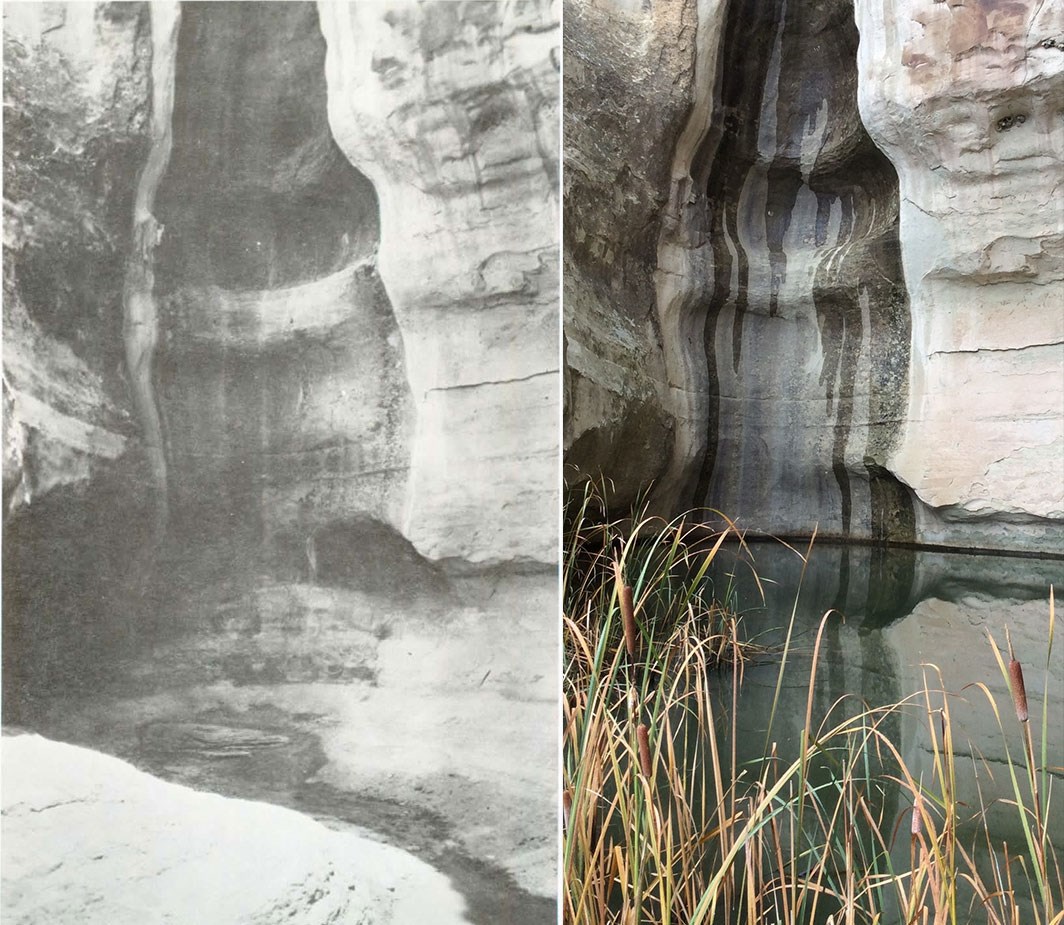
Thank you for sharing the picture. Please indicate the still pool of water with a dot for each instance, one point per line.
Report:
(902, 619)
(363, 686)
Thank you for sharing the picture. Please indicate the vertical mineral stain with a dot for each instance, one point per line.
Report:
(282, 379)
(140, 310)
(806, 285)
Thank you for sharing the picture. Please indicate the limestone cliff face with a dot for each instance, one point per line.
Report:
(789, 355)
(76, 127)
(451, 110)
(348, 297)
(967, 100)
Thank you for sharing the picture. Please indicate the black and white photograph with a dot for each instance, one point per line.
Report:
(281, 462)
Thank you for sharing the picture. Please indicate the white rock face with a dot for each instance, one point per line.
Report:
(967, 99)
(451, 111)
(89, 839)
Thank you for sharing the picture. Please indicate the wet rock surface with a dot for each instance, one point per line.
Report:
(780, 313)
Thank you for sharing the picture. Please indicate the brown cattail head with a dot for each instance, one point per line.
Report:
(631, 637)
(567, 808)
(1019, 692)
(624, 597)
(642, 735)
(918, 816)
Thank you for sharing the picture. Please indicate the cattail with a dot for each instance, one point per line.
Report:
(624, 596)
(642, 735)
(918, 817)
(567, 808)
(1019, 692)
(631, 638)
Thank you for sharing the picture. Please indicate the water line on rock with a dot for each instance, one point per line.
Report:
(140, 314)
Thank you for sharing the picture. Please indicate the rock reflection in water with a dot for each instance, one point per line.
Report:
(904, 619)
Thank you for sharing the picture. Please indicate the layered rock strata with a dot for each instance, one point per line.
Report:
(335, 360)
(335, 329)
(283, 377)
(451, 111)
(967, 100)
(630, 79)
(789, 367)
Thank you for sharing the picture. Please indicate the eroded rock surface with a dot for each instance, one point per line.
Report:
(451, 110)
(814, 339)
(967, 100)
(630, 73)
(76, 126)
(342, 292)
(78, 824)
(355, 274)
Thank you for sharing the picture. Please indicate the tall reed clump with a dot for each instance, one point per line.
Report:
(662, 822)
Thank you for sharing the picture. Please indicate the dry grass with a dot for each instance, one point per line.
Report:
(663, 824)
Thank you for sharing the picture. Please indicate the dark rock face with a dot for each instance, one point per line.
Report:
(258, 195)
(807, 323)
(73, 159)
(282, 380)
(629, 81)
(277, 365)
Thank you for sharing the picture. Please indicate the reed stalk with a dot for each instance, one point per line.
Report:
(663, 823)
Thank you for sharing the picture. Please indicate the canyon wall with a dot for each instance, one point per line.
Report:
(340, 300)
(451, 110)
(968, 102)
(760, 314)
(76, 128)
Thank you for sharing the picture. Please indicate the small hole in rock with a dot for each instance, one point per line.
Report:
(1007, 122)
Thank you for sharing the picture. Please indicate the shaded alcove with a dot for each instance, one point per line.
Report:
(807, 316)
(257, 194)
(282, 379)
